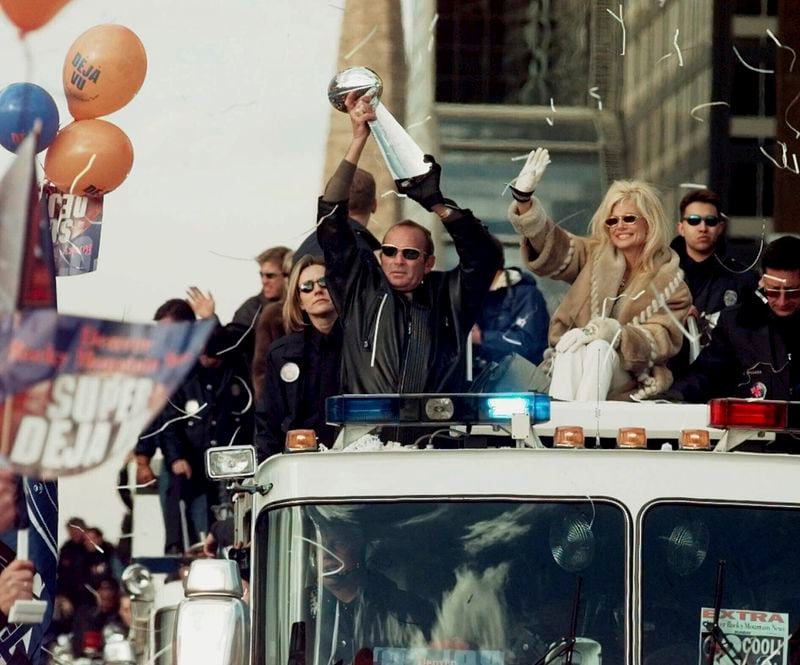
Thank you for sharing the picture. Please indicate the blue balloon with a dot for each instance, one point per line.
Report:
(20, 105)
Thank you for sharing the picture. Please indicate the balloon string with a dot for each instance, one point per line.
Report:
(26, 51)
(82, 173)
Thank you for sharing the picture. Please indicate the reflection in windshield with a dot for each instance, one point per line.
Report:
(682, 549)
(432, 583)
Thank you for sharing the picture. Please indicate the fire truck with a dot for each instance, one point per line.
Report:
(509, 531)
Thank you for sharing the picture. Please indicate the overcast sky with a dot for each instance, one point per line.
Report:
(228, 132)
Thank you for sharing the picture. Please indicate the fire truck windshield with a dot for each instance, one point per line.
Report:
(434, 582)
(742, 557)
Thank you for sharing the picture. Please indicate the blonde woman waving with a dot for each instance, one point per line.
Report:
(618, 324)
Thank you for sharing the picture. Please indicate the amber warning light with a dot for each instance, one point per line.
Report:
(754, 414)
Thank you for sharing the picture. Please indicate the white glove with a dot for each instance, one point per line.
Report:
(571, 340)
(531, 174)
(605, 329)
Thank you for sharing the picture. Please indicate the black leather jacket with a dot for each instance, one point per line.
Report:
(380, 323)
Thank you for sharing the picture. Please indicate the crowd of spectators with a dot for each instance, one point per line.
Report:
(89, 604)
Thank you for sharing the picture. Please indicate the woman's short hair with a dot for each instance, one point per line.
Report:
(645, 197)
(293, 317)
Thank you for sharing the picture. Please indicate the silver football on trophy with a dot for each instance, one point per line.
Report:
(361, 79)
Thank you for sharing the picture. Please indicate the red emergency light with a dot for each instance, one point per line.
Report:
(749, 414)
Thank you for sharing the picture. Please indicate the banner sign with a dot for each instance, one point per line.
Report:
(74, 391)
(75, 223)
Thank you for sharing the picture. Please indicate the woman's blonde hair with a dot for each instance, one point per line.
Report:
(293, 316)
(646, 199)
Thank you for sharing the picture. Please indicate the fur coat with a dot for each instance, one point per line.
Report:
(650, 335)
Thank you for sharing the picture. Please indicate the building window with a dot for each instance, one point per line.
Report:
(756, 7)
(512, 51)
(751, 178)
(754, 92)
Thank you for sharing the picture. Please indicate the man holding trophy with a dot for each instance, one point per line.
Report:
(405, 325)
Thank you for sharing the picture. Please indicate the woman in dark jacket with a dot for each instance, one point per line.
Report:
(303, 366)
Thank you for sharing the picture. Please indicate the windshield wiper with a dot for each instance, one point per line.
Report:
(717, 635)
(566, 645)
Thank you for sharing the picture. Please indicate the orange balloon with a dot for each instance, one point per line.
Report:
(103, 70)
(31, 14)
(89, 157)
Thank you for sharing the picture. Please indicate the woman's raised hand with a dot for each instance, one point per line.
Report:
(531, 174)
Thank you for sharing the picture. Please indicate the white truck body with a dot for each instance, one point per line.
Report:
(514, 556)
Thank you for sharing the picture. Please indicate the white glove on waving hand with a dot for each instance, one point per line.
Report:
(531, 174)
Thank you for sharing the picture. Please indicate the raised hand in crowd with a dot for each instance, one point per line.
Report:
(202, 304)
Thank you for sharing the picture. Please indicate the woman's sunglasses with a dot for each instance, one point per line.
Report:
(409, 253)
(308, 285)
(628, 219)
(694, 220)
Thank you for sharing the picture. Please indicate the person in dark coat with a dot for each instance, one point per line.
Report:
(240, 333)
(513, 318)
(754, 345)
(715, 279)
(302, 367)
(405, 326)
(213, 406)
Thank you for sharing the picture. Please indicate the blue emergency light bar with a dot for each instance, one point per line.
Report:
(426, 409)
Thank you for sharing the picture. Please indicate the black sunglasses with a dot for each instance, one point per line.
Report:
(409, 253)
(272, 275)
(628, 219)
(308, 285)
(694, 220)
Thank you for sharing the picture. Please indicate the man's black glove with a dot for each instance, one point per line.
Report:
(424, 189)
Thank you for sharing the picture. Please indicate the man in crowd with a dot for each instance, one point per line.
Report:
(270, 267)
(755, 344)
(715, 280)
(240, 333)
(361, 205)
(212, 407)
(405, 327)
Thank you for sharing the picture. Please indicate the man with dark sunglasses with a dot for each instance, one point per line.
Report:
(405, 325)
(715, 280)
(755, 343)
